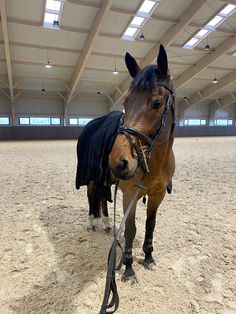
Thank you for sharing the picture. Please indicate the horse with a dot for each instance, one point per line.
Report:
(143, 148)
(140, 149)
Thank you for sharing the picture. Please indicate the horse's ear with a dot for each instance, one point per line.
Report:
(132, 65)
(162, 61)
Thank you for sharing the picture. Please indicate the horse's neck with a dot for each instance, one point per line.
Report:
(161, 152)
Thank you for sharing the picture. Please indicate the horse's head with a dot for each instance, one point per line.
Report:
(145, 109)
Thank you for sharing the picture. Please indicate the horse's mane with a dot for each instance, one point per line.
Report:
(147, 79)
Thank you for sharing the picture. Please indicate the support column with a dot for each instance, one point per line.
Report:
(13, 114)
(212, 113)
(65, 115)
(181, 113)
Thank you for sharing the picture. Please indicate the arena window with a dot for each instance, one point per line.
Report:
(4, 121)
(55, 121)
(223, 122)
(24, 121)
(73, 121)
(39, 121)
(195, 122)
(79, 121)
(84, 121)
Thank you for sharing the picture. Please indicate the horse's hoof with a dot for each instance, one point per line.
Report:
(149, 264)
(91, 228)
(107, 229)
(132, 279)
(129, 275)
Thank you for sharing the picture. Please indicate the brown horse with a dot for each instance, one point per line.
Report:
(143, 148)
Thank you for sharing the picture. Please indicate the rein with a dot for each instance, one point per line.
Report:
(143, 158)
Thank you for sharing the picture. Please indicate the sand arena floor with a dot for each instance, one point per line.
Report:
(50, 264)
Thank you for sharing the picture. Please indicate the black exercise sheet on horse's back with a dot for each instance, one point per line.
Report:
(93, 149)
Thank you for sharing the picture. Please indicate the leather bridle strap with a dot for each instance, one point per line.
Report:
(125, 129)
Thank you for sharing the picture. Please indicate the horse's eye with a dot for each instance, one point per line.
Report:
(156, 104)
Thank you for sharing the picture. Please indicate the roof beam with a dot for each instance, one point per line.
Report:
(62, 96)
(205, 62)
(166, 40)
(7, 47)
(122, 11)
(108, 35)
(229, 1)
(4, 94)
(19, 93)
(211, 89)
(109, 97)
(227, 100)
(90, 42)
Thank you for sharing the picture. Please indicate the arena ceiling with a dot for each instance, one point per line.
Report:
(86, 46)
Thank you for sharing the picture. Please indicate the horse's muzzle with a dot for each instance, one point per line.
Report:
(122, 171)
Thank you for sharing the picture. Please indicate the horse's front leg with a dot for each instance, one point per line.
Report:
(130, 231)
(153, 204)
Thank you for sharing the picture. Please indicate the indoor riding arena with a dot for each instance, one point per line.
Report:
(64, 63)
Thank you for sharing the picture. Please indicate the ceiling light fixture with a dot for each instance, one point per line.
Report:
(43, 89)
(215, 80)
(48, 64)
(142, 37)
(115, 71)
(207, 46)
(56, 23)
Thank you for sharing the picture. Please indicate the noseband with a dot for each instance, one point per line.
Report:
(143, 155)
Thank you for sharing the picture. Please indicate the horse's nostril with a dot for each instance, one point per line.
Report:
(124, 164)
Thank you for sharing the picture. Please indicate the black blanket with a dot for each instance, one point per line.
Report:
(93, 149)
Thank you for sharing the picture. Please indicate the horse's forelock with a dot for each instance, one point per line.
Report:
(147, 79)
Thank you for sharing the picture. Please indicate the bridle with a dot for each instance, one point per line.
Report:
(143, 155)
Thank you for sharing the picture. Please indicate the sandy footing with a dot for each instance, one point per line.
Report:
(50, 264)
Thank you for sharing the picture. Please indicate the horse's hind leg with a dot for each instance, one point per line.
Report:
(94, 206)
(153, 204)
(105, 217)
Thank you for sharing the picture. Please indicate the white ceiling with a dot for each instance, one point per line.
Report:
(84, 51)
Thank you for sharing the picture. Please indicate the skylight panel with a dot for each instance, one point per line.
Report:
(52, 15)
(228, 10)
(215, 21)
(191, 43)
(130, 31)
(147, 7)
(50, 18)
(53, 5)
(140, 18)
(202, 33)
(137, 21)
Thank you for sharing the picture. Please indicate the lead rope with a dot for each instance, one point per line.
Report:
(110, 286)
